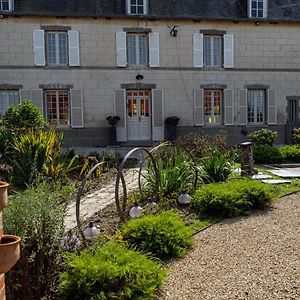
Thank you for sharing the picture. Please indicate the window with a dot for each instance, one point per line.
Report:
(137, 49)
(137, 7)
(257, 8)
(6, 5)
(212, 51)
(212, 106)
(7, 98)
(256, 106)
(293, 111)
(57, 48)
(57, 107)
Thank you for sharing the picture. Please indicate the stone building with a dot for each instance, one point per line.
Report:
(218, 65)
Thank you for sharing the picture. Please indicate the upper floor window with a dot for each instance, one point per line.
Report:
(212, 51)
(137, 49)
(257, 8)
(137, 7)
(57, 48)
(7, 98)
(6, 5)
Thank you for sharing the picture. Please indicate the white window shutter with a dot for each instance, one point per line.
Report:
(228, 107)
(228, 51)
(121, 49)
(272, 107)
(157, 115)
(36, 98)
(243, 107)
(198, 50)
(265, 11)
(199, 107)
(11, 4)
(120, 110)
(24, 95)
(39, 47)
(154, 49)
(76, 108)
(74, 52)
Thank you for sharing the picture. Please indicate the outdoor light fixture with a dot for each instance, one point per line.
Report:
(173, 31)
(139, 77)
(91, 231)
(152, 206)
(135, 211)
(184, 198)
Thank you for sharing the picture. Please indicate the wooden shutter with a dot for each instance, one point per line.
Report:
(243, 108)
(76, 108)
(120, 110)
(198, 50)
(272, 107)
(228, 107)
(24, 95)
(157, 115)
(121, 49)
(36, 97)
(74, 53)
(228, 51)
(198, 107)
(154, 49)
(39, 47)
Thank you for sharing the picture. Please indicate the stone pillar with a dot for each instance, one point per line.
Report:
(2, 284)
(246, 159)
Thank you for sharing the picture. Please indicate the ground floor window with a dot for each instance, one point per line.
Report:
(293, 111)
(256, 106)
(57, 107)
(7, 98)
(212, 106)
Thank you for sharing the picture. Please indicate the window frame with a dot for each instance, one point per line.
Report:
(8, 104)
(10, 5)
(129, 8)
(137, 49)
(256, 10)
(211, 37)
(219, 123)
(264, 107)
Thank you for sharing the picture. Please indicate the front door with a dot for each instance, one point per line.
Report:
(138, 115)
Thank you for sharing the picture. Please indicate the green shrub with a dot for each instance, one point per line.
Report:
(290, 152)
(37, 217)
(296, 135)
(232, 198)
(267, 154)
(111, 272)
(164, 235)
(263, 136)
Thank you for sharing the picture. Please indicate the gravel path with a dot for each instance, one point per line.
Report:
(257, 257)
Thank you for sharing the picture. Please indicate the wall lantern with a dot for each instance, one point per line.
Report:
(139, 77)
(173, 30)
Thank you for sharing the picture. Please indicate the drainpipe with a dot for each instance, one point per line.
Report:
(2, 284)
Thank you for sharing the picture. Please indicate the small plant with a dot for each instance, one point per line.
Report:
(296, 135)
(164, 235)
(267, 154)
(264, 137)
(232, 198)
(110, 272)
(290, 152)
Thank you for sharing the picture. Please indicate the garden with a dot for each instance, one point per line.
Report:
(184, 188)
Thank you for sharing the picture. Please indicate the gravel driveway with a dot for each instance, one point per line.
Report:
(256, 257)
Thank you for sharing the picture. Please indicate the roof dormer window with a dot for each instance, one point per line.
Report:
(257, 8)
(6, 5)
(137, 7)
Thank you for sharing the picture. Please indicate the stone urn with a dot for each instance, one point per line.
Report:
(3, 194)
(9, 252)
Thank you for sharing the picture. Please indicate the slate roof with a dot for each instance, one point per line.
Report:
(278, 10)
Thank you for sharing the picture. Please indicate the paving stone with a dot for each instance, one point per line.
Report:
(276, 181)
(261, 176)
(287, 172)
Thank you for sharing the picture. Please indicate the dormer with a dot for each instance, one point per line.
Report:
(257, 9)
(6, 5)
(137, 7)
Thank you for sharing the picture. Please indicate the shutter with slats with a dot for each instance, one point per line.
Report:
(154, 49)
(243, 110)
(39, 47)
(198, 107)
(228, 107)
(198, 50)
(120, 110)
(74, 53)
(24, 95)
(157, 115)
(36, 97)
(272, 107)
(228, 51)
(121, 49)
(76, 108)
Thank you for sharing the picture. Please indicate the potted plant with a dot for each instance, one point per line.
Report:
(171, 126)
(3, 194)
(9, 252)
(113, 121)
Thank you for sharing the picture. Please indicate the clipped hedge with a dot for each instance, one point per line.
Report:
(232, 198)
(111, 272)
(164, 235)
(267, 155)
(290, 152)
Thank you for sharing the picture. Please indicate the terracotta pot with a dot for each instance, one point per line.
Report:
(9, 252)
(3, 194)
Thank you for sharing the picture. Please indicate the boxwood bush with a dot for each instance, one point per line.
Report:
(290, 152)
(267, 155)
(164, 235)
(110, 272)
(232, 198)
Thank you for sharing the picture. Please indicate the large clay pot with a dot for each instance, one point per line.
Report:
(9, 252)
(3, 194)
